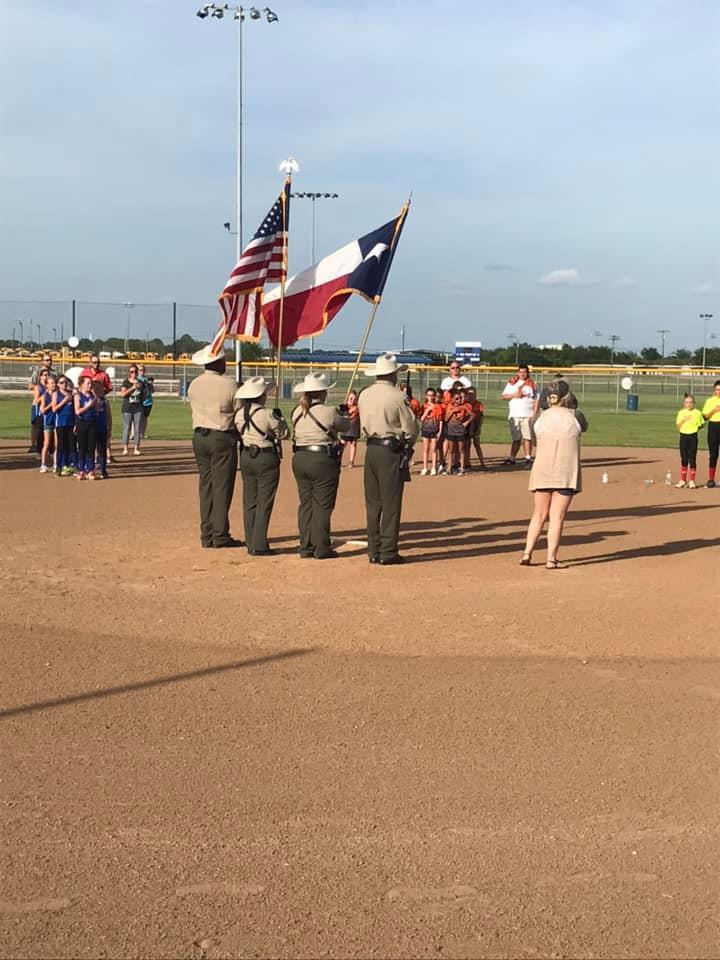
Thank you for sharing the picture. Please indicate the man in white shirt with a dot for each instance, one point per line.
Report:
(520, 392)
(449, 382)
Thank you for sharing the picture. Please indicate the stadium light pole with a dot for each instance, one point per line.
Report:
(613, 338)
(239, 13)
(22, 334)
(663, 333)
(128, 307)
(38, 330)
(55, 339)
(705, 317)
(512, 337)
(597, 334)
(314, 197)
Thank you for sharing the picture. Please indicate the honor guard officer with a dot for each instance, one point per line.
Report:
(316, 463)
(261, 431)
(211, 397)
(391, 428)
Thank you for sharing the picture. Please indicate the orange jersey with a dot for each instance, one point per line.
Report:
(414, 406)
(459, 411)
(478, 408)
(436, 413)
(353, 412)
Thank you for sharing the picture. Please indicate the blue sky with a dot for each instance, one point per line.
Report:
(563, 158)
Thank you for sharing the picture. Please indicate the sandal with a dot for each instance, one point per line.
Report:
(554, 565)
(525, 560)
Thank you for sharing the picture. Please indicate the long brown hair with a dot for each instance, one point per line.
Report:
(306, 399)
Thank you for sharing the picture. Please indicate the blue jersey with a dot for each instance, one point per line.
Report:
(85, 416)
(65, 416)
(101, 416)
(48, 416)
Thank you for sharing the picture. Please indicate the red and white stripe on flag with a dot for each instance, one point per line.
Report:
(242, 316)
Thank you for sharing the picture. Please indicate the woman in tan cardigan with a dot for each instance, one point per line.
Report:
(556, 474)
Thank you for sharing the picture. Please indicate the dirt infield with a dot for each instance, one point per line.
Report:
(208, 755)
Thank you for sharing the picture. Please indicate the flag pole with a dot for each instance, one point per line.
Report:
(376, 302)
(287, 166)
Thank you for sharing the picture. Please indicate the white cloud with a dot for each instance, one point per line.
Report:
(564, 277)
(703, 288)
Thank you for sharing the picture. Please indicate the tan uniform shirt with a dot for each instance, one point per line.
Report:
(212, 401)
(265, 421)
(308, 433)
(384, 413)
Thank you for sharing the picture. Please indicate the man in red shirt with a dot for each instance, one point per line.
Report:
(95, 372)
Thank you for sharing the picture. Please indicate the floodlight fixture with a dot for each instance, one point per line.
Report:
(254, 13)
(270, 16)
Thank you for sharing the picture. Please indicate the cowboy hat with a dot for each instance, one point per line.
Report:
(205, 356)
(252, 388)
(385, 364)
(313, 383)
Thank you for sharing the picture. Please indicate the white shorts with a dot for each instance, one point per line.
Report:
(520, 428)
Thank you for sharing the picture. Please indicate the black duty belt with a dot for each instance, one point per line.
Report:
(395, 443)
(255, 451)
(312, 447)
(206, 430)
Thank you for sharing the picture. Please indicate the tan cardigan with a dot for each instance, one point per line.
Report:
(557, 461)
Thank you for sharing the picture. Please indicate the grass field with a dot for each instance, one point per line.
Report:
(652, 426)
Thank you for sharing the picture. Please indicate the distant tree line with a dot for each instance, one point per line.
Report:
(503, 356)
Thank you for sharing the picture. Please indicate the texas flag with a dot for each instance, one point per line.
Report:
(313, 297)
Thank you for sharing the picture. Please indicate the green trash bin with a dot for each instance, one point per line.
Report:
(633, 402)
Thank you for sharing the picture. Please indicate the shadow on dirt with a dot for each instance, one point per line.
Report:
(149, 684)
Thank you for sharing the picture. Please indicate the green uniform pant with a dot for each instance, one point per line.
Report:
(317, 476)
(261, 475)
(216, 457)
(383, 500)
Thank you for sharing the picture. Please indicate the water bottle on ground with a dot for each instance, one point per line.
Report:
(605, 478)
(668, 479)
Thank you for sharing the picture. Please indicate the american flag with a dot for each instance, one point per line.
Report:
(263, 259)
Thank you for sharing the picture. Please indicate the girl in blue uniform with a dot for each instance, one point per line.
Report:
(64, 424)
(46, 412)
(101, 429)
(85, 426)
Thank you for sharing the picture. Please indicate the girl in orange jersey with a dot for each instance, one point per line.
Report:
(458, 417)
(473, 440)
(350, 439)
(432, 416)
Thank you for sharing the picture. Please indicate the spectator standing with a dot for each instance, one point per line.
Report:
(711, 413)
(85, 427)
(132, 392)
(689, 422)
(448, 383)
(147, 403)
(63, 408)
(48, 420)
(520, 392)
(556, 474)
(36, 423)
(350, 438)
(96, 372)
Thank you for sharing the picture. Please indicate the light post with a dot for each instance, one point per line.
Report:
(613, 338)
(597, 335)
(22, 335)
(512, 337)
(55, 339)
(38, 331)
(217, 11)
(310, 195)
(705, 317)
(128, 307)
(663, 334)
